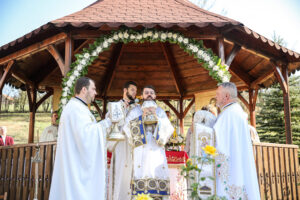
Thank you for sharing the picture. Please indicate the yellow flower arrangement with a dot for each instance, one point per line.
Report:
(143, 197)
(189, 161)
(210, 150)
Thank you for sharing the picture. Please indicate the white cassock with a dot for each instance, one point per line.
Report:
(80, 162)
(49, 134)
(150, 168)
(236, 172)
(120, 170)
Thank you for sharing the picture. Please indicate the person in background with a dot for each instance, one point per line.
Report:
(4, 139)
(50, 132)
(188, 137)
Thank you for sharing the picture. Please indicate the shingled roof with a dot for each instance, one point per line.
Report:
(146, 13)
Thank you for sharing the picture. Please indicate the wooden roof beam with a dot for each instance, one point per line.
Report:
(221, 50)
(17, 74)
(188, 107)
(34, 48)
(251, 50)
(172, 64)
(262, 78)
(46, 96)
(234, 51)
(280, 79)
(167, 102)
(56, 55)
(245, 102)
(114, 61)
(240, 74)
(6, 74)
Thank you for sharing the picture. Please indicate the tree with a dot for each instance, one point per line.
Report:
(270, 119)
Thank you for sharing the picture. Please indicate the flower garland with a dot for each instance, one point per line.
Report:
(79, 68)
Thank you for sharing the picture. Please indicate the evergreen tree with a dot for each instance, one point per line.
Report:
(270, 118)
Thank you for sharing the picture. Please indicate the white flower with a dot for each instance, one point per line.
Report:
(64, 94)
(116, 37)
(144, 35)
(132, 37)
(72, 78)
(191, 47)
(226, 67)
(69, 83)
(200, 53)
(163, 36)
(195, 49)
(126, 35)
(180, 39)
(155, 36)
(170, 35)
(225, 79)
(185, 40)
(175, 36)
(120, 35)
(150, 33)
(139, 36)
(216, 68)
(220, 73)
(99, 49)
(105, 44)
(83, 62)
(94, 53)
(206, 57)
(76, 73)
(79, 67)
(110, 40)
(86, 55)
(211, 63)
(64, 101)
(66, 89)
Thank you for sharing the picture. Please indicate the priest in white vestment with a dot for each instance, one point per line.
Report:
(121, 161)
(150, 173)
(236, 172)
(80, 162)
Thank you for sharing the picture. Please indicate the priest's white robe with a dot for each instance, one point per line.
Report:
(80, 162)
(120, 170)
(236, 172)
(150, 168)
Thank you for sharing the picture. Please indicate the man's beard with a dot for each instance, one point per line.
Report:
(130, 97)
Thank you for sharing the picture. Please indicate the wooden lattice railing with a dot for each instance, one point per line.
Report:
(278, 170)
(277, 167)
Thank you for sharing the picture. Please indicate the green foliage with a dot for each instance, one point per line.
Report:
(270, 118)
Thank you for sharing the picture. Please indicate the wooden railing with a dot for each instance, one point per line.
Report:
(17, 170)
(277, 168)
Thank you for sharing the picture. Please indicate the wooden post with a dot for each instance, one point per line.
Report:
(181, 122)
(283, 80)
(31, 92)
(287, 107)
(252, 102)
(69, 48)
(104, 107)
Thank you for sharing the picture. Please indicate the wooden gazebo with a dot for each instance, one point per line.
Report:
(40, 59)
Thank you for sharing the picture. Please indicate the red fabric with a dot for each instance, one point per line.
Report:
(8, 141)
(173, 157)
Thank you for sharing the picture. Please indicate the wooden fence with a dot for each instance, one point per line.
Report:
(277, 168)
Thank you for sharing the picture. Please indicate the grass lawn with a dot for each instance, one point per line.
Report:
(18, 125)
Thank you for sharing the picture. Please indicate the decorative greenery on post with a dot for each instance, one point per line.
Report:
(79, 68)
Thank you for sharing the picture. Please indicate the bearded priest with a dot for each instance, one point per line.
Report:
(150, 174)
(80, 162)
